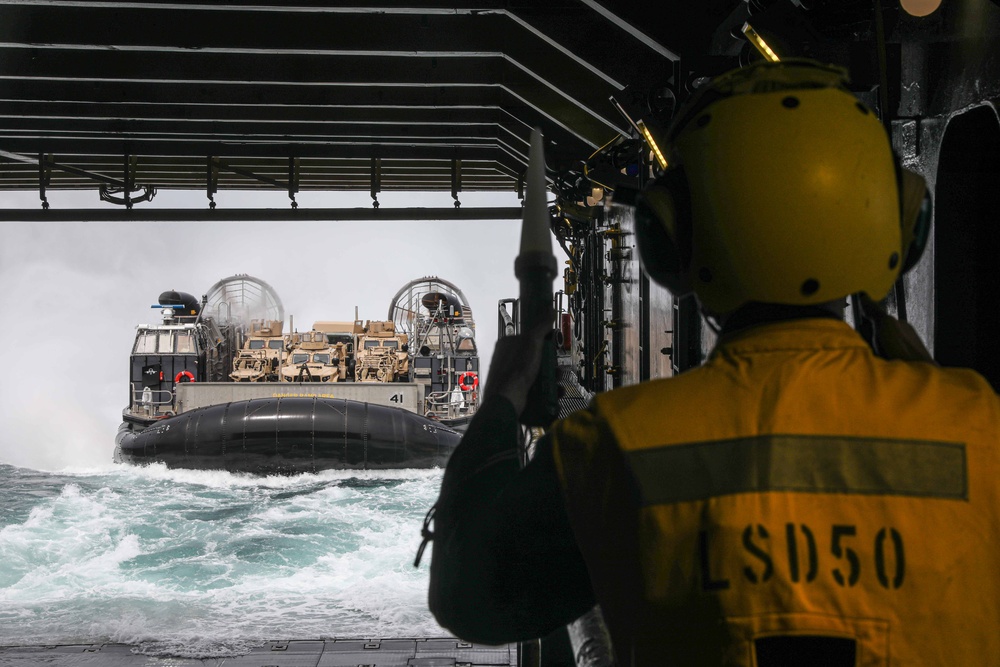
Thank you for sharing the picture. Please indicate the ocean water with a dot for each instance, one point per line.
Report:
(199, 563)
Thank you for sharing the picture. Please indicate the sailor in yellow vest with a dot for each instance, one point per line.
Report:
(796, 500)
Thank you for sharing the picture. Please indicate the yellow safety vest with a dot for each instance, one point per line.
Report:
(795, 484)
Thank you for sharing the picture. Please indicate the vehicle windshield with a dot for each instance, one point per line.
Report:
(275, 344)
(369, 344)
(300, 358)
(256, 345)
(321, 358)
(392, 344)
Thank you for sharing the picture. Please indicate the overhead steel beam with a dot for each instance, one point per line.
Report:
(274, 101)
(46, 164)
(342, 184)
(249, 147)
(582, 108)
(417, 33)
(258, 214)
(314, 173)
(637, 59)
(259, 163)
(375, 95)
(403, 82)
(180, 127)
(179, 110)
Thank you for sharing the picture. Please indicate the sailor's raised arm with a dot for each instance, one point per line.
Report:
(505, 565)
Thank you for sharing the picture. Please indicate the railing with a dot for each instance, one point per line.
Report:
(151, 402)
(451, 404)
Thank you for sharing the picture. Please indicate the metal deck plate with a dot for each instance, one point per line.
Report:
(437, 652)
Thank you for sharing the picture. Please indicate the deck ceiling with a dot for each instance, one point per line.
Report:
(298, 95)
(308, 95)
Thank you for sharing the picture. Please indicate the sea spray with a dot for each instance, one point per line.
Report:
(205, 563)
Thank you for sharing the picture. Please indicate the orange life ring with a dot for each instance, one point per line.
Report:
(187, 374)
(467, 385)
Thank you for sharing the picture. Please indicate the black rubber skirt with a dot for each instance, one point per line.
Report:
(290, 435)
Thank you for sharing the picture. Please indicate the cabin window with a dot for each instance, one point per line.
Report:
(185, 343)
(275, 344)
(321, 358)
(166, 342)
(256, 345)
(145, 344)
(369, 344)
(300, 358)
(393, 344)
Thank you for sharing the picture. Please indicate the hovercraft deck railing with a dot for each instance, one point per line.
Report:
(152, 403)
(448, 405)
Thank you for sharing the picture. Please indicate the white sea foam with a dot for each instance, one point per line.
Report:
(208, 563)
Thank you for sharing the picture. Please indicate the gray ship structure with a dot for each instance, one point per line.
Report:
(219, 383)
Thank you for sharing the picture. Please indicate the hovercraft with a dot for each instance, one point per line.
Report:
(218, 384)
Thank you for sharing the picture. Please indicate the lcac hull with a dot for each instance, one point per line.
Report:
(290, 435)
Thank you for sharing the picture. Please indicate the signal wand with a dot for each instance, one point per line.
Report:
(536, 269)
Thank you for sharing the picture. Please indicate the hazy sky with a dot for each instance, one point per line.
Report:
(73, 294)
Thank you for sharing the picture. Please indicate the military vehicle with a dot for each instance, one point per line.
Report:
(311, 358)
(344, 335)
(263, 352)
(382, 354)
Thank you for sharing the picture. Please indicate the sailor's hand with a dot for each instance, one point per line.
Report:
(515, 365)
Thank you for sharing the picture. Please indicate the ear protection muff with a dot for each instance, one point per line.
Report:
(663, 230)
(663, 225)
(915, 209)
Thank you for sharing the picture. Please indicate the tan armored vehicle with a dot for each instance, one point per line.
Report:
(263, 352)
(250, 367)
(381, 354)
(343, 336)
(312, 359)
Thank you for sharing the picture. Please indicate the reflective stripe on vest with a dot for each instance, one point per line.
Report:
(800, 463)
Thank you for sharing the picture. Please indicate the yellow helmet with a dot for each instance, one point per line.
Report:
(782, 188)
